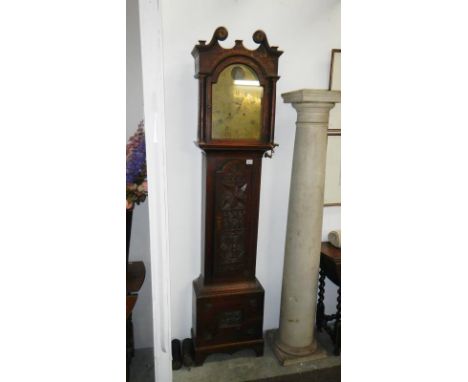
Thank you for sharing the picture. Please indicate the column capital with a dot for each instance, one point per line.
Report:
(312, 96)
(313, 105)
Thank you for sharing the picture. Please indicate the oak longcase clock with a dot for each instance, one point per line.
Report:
(237, 91)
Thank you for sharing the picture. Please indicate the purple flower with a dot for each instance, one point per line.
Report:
(136, 166)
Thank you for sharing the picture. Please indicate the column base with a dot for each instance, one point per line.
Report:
(287, 355)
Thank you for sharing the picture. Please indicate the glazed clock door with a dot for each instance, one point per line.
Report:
(237, 105)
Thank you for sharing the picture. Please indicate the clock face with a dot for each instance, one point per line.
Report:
(237, 104)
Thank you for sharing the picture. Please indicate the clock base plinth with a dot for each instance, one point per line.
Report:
(227, 318)
(202, 352)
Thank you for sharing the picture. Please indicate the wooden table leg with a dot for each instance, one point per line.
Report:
(337, 329)
(320, 317)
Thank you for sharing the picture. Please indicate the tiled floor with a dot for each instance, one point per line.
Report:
(142, 366)
(243, 366)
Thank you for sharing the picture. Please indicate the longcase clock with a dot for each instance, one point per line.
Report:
(237, 91)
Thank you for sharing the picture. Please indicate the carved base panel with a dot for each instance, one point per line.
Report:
(227, 318)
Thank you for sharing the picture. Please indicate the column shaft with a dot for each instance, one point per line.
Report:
(304, 228)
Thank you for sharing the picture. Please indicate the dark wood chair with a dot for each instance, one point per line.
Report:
(330, 267)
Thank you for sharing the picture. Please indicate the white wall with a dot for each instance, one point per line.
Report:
(139, 244)
(306, 30)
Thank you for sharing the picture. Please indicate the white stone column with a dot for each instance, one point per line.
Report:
(294, 341)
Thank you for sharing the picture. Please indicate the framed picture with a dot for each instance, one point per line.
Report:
(334, 127)
(332, 195)
(335, 70)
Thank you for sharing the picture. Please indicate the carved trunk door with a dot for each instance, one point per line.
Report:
(233, 183)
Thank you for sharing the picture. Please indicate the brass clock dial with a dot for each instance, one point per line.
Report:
(237, 104)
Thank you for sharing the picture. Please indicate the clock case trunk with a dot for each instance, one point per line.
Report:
(228, 300)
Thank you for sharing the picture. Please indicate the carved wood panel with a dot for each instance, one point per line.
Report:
(230, 319)
(236, 317)
(233, 182)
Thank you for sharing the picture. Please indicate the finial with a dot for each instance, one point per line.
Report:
(220, 34)
(259, 37)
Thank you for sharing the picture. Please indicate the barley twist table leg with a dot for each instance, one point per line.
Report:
(337, 329)
(320, 306)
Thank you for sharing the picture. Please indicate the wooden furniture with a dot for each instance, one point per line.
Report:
(136, 273)
(330, 266)
(237, 92)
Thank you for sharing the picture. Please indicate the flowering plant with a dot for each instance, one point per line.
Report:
(137, 185)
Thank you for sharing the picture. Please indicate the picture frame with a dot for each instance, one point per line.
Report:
(335, 70)
(334, 127)
(332, 192)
